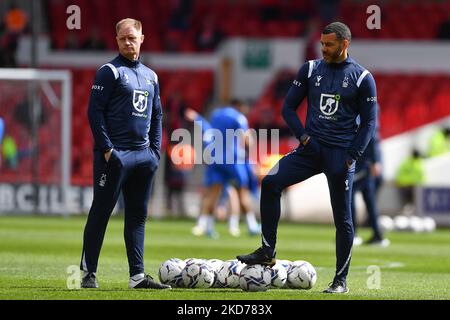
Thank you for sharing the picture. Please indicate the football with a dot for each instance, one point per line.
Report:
(193, 260)
(197, 274)
(386, 223)
(228, 275)
(429, 224)
(301, 275)
(401, 223)
(416, 224)
(279, 274)
(285, 263)
(215, 265)
(170, 272)
(255, 278)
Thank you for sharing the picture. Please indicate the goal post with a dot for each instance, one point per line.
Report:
(42, 90)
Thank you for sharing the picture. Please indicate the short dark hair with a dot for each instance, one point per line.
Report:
(341, 30)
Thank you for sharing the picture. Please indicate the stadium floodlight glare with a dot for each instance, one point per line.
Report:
(59, 100)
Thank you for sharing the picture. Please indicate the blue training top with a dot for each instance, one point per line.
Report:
(2, 129)
(125, 108)
(232, 124)
(337, 94)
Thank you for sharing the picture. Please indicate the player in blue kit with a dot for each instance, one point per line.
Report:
(228, 166)
(125, 117)
(338, 89)
(230, 195)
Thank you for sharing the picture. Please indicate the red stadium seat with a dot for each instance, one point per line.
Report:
(418, 20)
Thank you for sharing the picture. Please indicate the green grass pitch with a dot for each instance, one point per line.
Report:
(36, 252)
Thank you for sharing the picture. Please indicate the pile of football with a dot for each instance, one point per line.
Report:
(215, 273)
(407, 223)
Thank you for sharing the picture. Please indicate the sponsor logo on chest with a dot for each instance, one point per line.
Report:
(140, 101)
(329, 103)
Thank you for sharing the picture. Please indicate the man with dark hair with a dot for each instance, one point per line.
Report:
(338, 89)
(125, 117)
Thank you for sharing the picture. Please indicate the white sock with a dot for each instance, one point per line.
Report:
(210, 223)
(85, 273)
(138, 276)
(251, 221)
(202, 221)
(233, 223)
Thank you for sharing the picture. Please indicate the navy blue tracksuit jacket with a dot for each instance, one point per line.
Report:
(125, 115)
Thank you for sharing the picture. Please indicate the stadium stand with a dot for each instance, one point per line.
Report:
(195, 86)
(398, 112)
(412, 20)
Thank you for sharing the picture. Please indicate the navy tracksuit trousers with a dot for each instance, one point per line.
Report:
(297, 166)
(129, 171)
(367, 184)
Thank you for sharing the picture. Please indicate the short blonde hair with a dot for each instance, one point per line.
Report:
(129, 21)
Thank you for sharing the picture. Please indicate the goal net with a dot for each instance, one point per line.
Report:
(35, 110)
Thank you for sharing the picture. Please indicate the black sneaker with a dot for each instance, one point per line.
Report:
(338, 286)
(257, 257)
(147, 283)
(377, 241)
(89, 281)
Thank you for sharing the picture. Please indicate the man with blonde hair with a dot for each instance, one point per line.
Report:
(125, 117)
